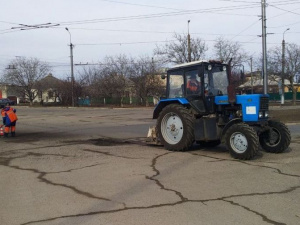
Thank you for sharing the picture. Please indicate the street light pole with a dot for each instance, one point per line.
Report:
(72, 67)
(189, 43)
(283, 67)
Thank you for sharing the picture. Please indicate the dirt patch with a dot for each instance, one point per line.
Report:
(101, 142)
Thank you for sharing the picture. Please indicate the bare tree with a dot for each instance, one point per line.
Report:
(89, 80)
(146, 79)
(177, 51)
(292, 64)
(115, 73)
(224, 50)
(25, 74)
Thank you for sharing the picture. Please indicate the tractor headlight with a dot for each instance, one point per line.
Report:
(209, 67)
(266, 113)
(239, 113)
(224, 68)
(260, 114)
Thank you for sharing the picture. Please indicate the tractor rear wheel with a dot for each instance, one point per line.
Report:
(242, 141)
(276, 139)
(175, 126)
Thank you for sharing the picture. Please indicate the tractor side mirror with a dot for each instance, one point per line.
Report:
(163, 76)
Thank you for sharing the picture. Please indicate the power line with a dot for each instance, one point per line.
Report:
(286, 1)
(145, 42)
(247, 28)
(154, 32)
(284, 10)
(35, 26)
(128, 43)
(184, 12)
(282, 14)
(150, 6)
(159, 7)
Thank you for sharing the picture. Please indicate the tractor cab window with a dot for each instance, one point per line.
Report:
(176, 83)
(215, 81)
(193, 83)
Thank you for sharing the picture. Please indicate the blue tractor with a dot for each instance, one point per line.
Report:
(202, 106)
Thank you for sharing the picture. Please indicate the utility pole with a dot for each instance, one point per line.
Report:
(283, 67)
(72, 68)
(264, 45)
(189, 43)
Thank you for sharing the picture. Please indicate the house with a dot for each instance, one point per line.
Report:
(10, 91)
(256, 83)
(47, 89)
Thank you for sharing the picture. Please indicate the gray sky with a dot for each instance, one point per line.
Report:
(134, 27)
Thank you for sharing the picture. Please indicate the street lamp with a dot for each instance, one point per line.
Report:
(72, 65)
(189, 43)
(283, 65)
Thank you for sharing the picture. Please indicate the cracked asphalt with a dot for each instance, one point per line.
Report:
(92, 166)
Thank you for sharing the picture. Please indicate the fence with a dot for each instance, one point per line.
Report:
(287, 96)
(114, 101)
(134, 101)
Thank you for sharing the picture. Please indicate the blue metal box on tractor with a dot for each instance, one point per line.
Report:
(201, 106)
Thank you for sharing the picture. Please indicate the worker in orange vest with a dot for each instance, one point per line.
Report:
(9, 118)
(193, 85)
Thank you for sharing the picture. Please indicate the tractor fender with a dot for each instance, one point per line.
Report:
(164, 102)
(229, 124)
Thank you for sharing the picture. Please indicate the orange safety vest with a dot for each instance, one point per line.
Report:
(193, 85)
(11, 115)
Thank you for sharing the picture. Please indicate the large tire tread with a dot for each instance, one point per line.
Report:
(285, 138)
(252, 139)
(188, 121)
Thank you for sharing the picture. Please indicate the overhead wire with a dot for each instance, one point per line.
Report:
(288, 11)
(153, 32)
(247, 28)
(135, 4)
(148, 42)
(157, 15)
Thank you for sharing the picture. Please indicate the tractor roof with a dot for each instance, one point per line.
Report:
(195, 63)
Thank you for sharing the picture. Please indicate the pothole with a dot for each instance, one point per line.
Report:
(101, 142)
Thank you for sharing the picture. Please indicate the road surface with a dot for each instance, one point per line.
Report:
(92, 166)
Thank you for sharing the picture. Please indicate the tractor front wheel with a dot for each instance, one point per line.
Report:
(242, 141)
(175, 126)
(276, 139)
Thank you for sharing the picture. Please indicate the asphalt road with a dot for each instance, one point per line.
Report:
(70, 166)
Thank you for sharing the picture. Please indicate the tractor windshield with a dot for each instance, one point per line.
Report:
(216, 81)
(176, 83)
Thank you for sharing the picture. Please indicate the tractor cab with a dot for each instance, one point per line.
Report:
(200, 78)
(197, 83)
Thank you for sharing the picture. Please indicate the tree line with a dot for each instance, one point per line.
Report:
(123, 76)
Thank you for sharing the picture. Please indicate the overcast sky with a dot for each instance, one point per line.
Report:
(134, 27)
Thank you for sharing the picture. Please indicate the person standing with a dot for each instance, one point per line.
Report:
(9, 118)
